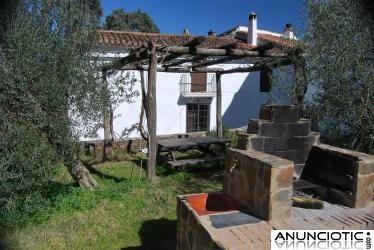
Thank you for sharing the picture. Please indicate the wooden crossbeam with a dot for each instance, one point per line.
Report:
(140, 54)
(257, 67)
(195, 42)
(199, 53)
(165, 59)
(208, 52)
(173, 69)
(179, 62)
(185, 60)
(213, 62)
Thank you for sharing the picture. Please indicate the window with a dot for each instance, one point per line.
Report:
(265, 79)
(198, 80)
(198, 117)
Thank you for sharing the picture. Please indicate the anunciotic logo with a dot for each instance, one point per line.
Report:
(321, 239)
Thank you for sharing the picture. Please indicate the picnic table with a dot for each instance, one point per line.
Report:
(203, 144)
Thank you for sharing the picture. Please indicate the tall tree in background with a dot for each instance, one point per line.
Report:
(48, 95)
(130, 21)
(339, 58)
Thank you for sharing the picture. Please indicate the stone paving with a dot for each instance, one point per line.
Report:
(200, 232)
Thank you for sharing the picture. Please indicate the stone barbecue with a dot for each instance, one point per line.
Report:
(277, 158)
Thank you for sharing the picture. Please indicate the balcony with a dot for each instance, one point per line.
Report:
(188, 89)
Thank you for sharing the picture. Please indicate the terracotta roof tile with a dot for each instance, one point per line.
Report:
(132, 40)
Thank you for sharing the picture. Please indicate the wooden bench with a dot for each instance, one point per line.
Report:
(185, 162)
(202, 144)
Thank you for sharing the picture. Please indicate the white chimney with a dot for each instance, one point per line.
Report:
(288, 32)
(252, 29)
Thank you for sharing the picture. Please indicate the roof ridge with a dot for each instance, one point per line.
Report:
(139, 33)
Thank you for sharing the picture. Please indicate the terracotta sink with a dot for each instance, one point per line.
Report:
(212, 203)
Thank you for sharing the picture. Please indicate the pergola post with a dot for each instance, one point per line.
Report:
(107, 149)
(152, 113)
(218, 105)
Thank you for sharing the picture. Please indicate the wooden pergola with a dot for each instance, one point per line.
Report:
(186, 54)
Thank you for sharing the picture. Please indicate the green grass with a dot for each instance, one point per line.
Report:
(124, 212)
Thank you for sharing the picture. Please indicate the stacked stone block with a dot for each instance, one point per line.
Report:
(346, 177)
(262, 183)
(280, 131)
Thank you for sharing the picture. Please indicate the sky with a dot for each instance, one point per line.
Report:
(200, 16)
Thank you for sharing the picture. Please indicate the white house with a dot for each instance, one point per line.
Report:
(186, 102)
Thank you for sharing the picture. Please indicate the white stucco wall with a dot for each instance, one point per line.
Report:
(241, 101)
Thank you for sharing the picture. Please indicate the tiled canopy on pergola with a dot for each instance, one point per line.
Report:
(187, 54)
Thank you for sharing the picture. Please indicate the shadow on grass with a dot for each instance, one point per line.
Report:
(160, 234)
(5, 243)
(102, 175)
(200, 169)
(142, 163)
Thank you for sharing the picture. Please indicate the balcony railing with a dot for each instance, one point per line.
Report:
(186, 88)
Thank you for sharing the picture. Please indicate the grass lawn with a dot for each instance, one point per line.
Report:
(125, 212)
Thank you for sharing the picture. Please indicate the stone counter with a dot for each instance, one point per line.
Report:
(206, 232)
(261, 182)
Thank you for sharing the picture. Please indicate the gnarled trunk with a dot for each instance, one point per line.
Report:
(82, 176)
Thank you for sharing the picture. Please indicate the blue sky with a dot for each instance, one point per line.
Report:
(172, 16)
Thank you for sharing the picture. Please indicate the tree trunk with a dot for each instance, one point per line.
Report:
(82, 176)
(143, 107)
(151, 114)
(76, 168)
(108, 121)
(219, 106)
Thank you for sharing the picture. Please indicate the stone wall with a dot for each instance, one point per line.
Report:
(347, 177)
(261, 182)
(129, 144)
(280, 131)
(190, 233)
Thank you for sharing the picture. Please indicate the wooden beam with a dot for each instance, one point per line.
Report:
(134, 57)
(258, 67)
(213, 62)
(218, 105)
(191, 44)
(179, 62)
(152, 113)
(241, 70)
(174, 69)
(269, 53)
(186, 60)
(167, 58)
(208, 52)
(142, 53)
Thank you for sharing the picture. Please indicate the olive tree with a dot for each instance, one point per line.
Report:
(48, 93)
(340, 71)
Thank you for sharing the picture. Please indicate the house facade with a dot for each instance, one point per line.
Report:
(186, 102)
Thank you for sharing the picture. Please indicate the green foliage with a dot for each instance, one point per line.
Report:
(226, 133)
(339, 61)
(130, 21)
(25, 170)
(47, 90)
(7, 9)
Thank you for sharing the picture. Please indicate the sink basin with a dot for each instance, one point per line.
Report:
(212, 203)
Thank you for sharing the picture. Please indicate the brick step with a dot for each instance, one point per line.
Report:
(269, 144)
(280, 113)
(269, 129)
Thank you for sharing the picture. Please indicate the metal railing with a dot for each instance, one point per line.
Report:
(185, 85)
